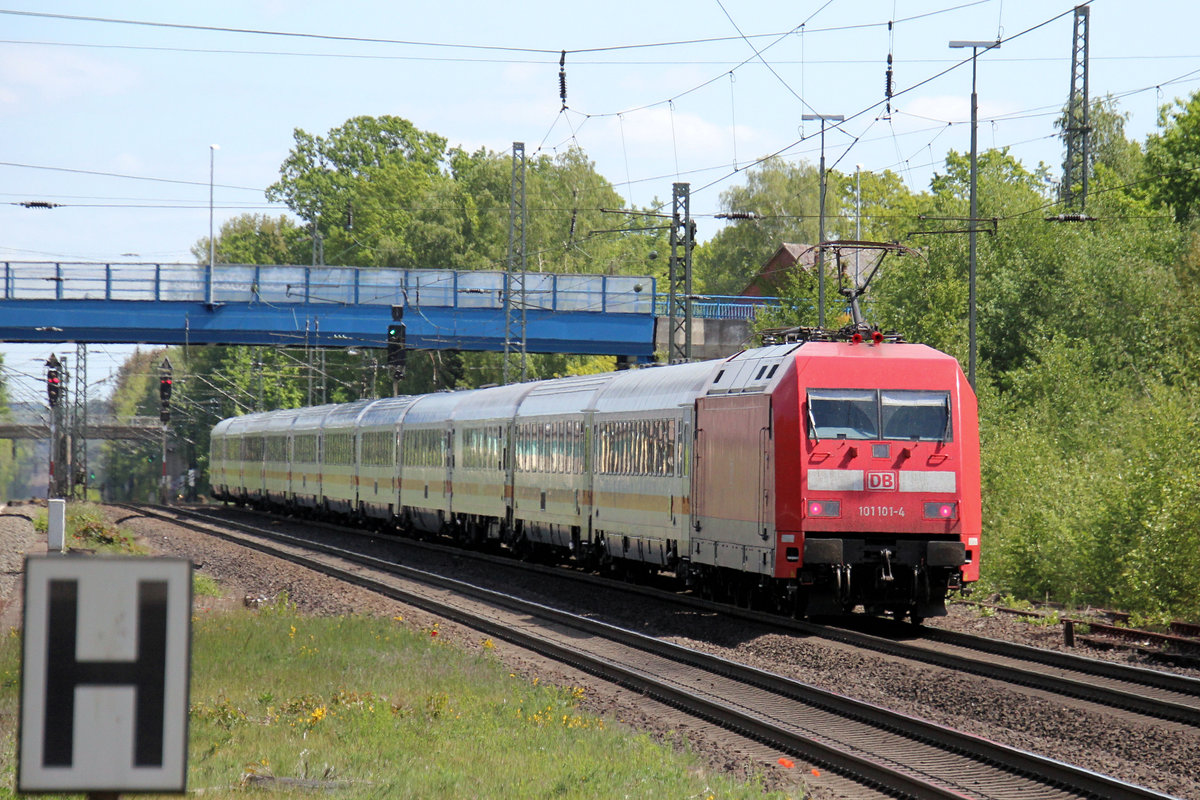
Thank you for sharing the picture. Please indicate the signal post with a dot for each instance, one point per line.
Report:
(165, 385)
(54, 397)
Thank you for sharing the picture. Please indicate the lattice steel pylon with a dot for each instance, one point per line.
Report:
(679, 301)
(514, 276)
(79, 425)
(1078, 161)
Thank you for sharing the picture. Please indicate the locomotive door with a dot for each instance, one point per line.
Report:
(732, 484)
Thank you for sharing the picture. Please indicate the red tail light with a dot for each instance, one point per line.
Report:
(941, 511)
(824, 508)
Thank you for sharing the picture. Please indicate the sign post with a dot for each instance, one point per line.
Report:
(56, 525)
(105, 673)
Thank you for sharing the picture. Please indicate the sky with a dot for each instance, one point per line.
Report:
(111, 110)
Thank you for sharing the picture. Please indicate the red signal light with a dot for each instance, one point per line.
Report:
(856, 339)
(877, 337)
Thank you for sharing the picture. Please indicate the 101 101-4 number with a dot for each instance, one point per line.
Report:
(880, 511)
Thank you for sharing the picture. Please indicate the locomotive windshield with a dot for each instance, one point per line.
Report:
(877, 415)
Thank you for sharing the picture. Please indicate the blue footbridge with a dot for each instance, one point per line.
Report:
(320, 306)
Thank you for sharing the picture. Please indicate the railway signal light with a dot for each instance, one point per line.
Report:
(397, 356)
(165, 386)
(53, 384)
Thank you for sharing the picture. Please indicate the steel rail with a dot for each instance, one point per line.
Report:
(1042, 771)
(1083, 687)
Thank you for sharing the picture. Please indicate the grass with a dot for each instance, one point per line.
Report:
(367, 707)
(88, 529)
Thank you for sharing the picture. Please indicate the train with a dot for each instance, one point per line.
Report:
(811, 477)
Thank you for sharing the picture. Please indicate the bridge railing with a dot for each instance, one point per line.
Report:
(234, 283)
(278, 285)
(716, 306)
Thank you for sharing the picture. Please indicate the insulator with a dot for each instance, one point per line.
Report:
(562, 78)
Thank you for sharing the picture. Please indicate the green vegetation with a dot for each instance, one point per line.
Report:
(89, 529)
(205, 586)
(368, 707)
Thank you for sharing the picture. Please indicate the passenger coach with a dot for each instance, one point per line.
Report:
(813, 477)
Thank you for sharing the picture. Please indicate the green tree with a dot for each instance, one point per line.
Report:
(134, 468)
(9, 460)
(784, 196)
(257, 239)
(1173, 159)
(367, 175)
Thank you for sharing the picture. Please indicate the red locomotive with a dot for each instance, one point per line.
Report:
(866, 486)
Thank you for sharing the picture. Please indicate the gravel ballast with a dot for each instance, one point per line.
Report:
(1160, 755)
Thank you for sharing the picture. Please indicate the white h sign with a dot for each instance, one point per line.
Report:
(105, 675)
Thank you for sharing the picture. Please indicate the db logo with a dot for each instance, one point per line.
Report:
(881, 481)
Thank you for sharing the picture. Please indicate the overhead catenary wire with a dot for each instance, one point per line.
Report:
(737, 166)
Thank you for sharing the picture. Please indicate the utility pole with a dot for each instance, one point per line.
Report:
(857, 219)
(212, 242)
(308, 358)
(397, 356)
(679, 300)
(514, 283)
(975, 47)
(79, 423)
(1076, 129)
(821, 224)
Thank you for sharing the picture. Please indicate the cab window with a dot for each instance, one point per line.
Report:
(896, 415)
(843, 414)
(915, 416)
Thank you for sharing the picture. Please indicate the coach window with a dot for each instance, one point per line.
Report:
(843, 414)
(915, 416)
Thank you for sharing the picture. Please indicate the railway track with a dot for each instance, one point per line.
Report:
(1152, 693)
(889, 752)
(1180, 643)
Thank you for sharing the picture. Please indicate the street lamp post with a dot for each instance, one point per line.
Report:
(975, 47)
(212, 243)
(821, 223)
